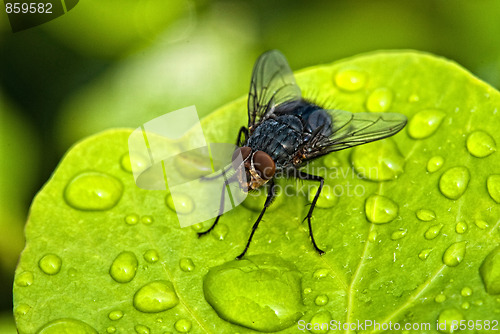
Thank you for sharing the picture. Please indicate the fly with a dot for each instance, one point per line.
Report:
(286, 131)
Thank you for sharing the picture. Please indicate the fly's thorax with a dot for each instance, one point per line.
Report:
(256, 168)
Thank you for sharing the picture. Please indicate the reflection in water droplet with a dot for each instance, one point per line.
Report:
(24, 279)
(156, 296)
(426, 215)
(183, 325)
(378, 161)
(481, 224)
(440, 298)
(93, 191)
(466, 291)
(424, 254)
(151, 256)
(320, 321)
(230, 290)
(60, 326)
(321, 300)
(321, 273)
(493, 185)
(132, 219)
(435, 163)
(147, 220)
(447, 318)
(350, 80)
(380, 209)
(433, 231)
(372, 236)
(396, 235)
(220, 231)
(454, 181)
(124, 267)
(454, 255)
(115, 315)
(490, 272)
(184, 204)
(425, 123)
(379, 100)
(480, 144)
(141, 329)
(186, 264)
(326, 199)
(50, 264)
(461, 227)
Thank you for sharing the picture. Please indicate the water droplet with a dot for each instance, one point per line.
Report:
(481, 224)
(124, 267)
(413, 98)
(426, 215)
(134, 162)
(480, 144)
(50, 264)
(331, 161)
(186, 264)
(141, 329)
(125, 163)
(321, 300)
(380, 209)
(433, 231)
(183, 203)
(72, 272)
(110, 329)
(493, 185)
(147, 220)
(151, 256)
(24, 279)
(321, 273)
(220, 231)
(156, 296)
(183, 325)
(378, 161)
(379, 100)
(22, 309)
(197, 227)
(425, 123)
(132, 219)
(490, 272)
(478, 302)
(66, 326)
(350, 80)
(424, 254)
(440, 298)
(326, 199)
(466, 291)
(372, 236)
(465, 305)
(230, 290)
(115, 315)
(461, 227)
(435, 163)
(447, 318)
(255, 201)
(93, 191)
(454, 255)
(319, 322)
(307, 291)
(454, 181)
(399, 234)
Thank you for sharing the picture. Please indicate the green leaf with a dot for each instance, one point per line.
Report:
(412, 238)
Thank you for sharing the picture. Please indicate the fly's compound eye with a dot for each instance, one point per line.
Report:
(264, 165)
(245, 153)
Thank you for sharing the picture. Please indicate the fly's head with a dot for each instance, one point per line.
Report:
(257, 167)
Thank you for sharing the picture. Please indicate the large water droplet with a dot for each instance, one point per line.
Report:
(399, 234)
(320, 322)
(493, 185)
(186, 264)
(350, 80)
(454, 181)
(230, 289)
(490, 272)
(115, 315)
(447, 318)
(424, 254)
(124, 267)
(183, 325)
(380, 209)
(156, 296)
(184, 203)
(466, 291)
(461, 227)
(93, 191)
(321, 300)
(379, 100)
(327, 197)
(480, 144)
(141, 329)
(61, 326)
(24, 279)
(378, 161)
(151, 256)
(426, 215)
(425, 123)
(435, 163)
(433, 231)
(50, 264)
(454, 255)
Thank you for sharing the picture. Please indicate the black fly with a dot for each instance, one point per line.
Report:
(285, 131)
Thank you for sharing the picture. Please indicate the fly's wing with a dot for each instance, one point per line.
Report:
(351, 129)
(272, 83)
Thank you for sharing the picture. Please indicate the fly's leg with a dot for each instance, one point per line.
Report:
(305, 176)
(221, 211)
(270, 196)
(243, 131)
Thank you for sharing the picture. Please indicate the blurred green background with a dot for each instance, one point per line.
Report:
(120, 63)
